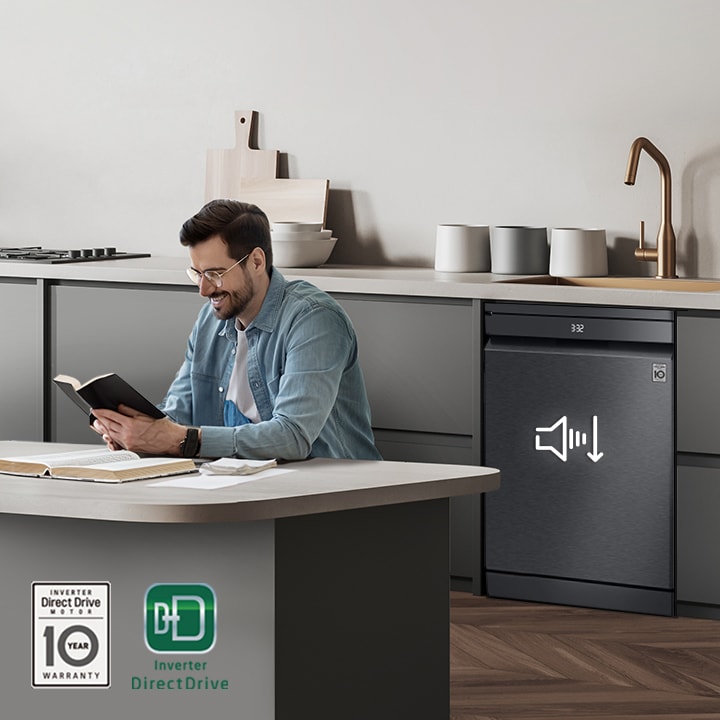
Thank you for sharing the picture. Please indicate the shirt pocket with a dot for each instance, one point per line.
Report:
(208, 394)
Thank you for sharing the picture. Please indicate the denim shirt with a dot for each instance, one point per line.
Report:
(303, 372)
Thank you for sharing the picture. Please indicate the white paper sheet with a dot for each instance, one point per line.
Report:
(213, 482)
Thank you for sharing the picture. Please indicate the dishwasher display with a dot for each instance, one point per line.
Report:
(579, 417)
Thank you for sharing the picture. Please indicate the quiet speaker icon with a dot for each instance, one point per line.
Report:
(567, 439)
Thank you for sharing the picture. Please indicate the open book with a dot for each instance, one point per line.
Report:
(101, 465)
(105, 392)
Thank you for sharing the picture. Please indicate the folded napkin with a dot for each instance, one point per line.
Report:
(235, 466)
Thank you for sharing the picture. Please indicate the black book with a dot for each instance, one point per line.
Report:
(105, 392)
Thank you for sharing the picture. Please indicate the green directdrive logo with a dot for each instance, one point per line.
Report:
(180, 618)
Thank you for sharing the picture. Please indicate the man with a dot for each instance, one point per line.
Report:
(271, 367)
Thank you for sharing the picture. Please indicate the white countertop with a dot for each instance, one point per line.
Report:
(313, 486)
(380, 280)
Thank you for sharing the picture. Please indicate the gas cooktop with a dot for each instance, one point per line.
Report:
(43, 255)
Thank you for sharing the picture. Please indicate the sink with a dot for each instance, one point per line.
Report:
(626, 283)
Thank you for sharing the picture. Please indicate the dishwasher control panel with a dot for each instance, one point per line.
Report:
(578, 322)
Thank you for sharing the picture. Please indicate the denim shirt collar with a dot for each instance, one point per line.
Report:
(267, 317)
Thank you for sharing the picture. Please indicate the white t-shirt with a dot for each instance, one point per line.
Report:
(239, 388)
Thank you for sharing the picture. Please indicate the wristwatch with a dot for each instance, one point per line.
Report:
(190, 446)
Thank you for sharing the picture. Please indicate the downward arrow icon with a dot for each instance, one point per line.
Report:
(595, 455)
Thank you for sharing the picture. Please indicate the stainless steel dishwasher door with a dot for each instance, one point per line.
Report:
(583, 433)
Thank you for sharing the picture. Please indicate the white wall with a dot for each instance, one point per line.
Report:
(482, 111)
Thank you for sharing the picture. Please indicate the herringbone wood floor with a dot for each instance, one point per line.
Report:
(526, 661)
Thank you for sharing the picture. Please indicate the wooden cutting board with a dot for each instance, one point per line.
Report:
(248, 174)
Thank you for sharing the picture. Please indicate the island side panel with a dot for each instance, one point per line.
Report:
(362, 613)
(235, 560)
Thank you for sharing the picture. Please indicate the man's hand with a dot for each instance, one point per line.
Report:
(134, 431)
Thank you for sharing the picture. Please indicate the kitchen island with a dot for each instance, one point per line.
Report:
(329, 581)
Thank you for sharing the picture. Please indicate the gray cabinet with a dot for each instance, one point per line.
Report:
(698, 384)
(698, 464)
(698, 538)
(21, 400)
(421, 362)
(137, 332)
(417, 358)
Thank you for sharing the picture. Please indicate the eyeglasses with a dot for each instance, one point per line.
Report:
(212, 276)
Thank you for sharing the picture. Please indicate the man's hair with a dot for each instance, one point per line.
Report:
(242, 227)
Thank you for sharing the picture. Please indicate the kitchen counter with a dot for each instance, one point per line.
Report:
(311, 585)
(380, 280)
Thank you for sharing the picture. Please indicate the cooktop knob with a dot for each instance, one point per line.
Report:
(73, 253)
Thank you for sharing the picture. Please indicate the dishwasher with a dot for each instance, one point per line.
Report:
(578, 406)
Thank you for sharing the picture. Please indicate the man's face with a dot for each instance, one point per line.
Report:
(236, 294)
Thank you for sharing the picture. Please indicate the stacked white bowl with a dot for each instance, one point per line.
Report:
(300, 244)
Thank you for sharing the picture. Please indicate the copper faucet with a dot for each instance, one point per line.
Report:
(664, 253)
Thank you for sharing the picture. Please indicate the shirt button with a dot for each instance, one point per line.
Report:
(220, 389)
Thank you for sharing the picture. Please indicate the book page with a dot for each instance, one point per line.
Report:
(77, 458)
(74, 383)
(129, 464)
(126, 470)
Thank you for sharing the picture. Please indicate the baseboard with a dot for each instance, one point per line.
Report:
(580, 593)
(698, 610)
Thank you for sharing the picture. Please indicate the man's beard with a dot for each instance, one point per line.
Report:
(233, 302)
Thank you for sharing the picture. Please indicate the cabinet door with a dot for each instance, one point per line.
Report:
(698, 384)
(20, 362)
(698, 533)
(417, 359)
(465, 535)
(138, 332)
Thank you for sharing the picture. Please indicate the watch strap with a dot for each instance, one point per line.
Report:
(190, 446)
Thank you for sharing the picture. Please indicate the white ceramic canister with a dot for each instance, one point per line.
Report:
(578, 252)
(519, 250)
(462, 248)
